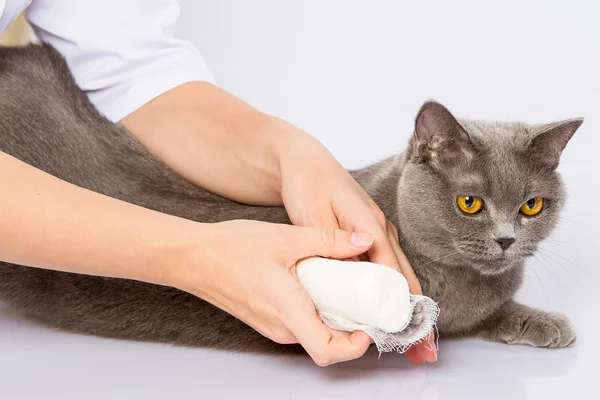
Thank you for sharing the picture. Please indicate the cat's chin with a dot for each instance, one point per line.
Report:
(491, 264)
(497, 265)
(487, 265)
(496, 269)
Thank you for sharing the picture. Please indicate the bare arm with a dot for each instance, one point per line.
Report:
(48, 223)
(51, 224)
(222, 144)
(214, 140)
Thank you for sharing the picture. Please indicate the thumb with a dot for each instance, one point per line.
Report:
(333, 243)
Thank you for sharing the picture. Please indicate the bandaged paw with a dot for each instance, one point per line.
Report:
(369, 297)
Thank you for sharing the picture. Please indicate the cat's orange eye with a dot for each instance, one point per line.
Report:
(532, 206)
(470, 204)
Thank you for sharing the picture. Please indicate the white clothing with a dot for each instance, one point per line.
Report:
(121, 52)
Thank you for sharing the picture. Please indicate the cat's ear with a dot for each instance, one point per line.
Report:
(549, 141)
(439, 137)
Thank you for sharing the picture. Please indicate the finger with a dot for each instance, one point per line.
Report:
(323, 345)
(326, 349)
(424, 351)
(330, 242)
(344, 334)
(382, 252)
(328, 219)
(372, 221)
(321, 218)
(405, 267)
(336, 333)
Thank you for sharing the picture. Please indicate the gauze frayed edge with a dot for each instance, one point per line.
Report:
(423, 317)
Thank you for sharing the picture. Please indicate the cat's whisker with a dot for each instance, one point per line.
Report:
(549, 254)
(438, 259)
(559, 243)
(564, 258)
(567, 220)
(542, 285)
(548, 257)
(560, 283)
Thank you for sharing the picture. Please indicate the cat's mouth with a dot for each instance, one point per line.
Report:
(499, 257)
(481, 251)
(495, 262)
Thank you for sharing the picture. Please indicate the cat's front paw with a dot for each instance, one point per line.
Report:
(516, 323)
(543, 329)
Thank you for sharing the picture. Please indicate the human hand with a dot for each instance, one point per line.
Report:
(247, 268)
(317, 191)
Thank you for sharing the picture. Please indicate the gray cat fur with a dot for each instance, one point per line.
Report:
(48, 122)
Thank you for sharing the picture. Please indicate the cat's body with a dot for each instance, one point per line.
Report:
(47, 122)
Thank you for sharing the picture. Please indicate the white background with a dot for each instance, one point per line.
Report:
(353, 74)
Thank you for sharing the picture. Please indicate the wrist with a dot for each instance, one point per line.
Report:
(177, 254)
(193, 259)
(293, 148)
(288, 140)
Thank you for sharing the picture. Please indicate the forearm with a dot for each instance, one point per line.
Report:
(216, 141)
(51, 224)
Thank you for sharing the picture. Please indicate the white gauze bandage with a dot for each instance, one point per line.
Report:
(373, 298)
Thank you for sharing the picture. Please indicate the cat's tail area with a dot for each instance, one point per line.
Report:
(127, 309)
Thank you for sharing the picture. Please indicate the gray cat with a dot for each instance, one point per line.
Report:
(471, 201)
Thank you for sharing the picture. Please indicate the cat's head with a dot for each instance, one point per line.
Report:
(481, 193)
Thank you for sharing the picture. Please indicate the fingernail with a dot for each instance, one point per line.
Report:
(361, 239)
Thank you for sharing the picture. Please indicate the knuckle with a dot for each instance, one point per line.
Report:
(328, 236)
(379, 215)
(359, 352)
(312, 215)
(322, 359)
(281, 336)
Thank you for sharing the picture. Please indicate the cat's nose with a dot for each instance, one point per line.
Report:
(505, 242)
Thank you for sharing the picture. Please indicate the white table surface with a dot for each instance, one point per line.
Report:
(40, 364)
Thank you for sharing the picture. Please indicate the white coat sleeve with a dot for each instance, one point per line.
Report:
(121, 52)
